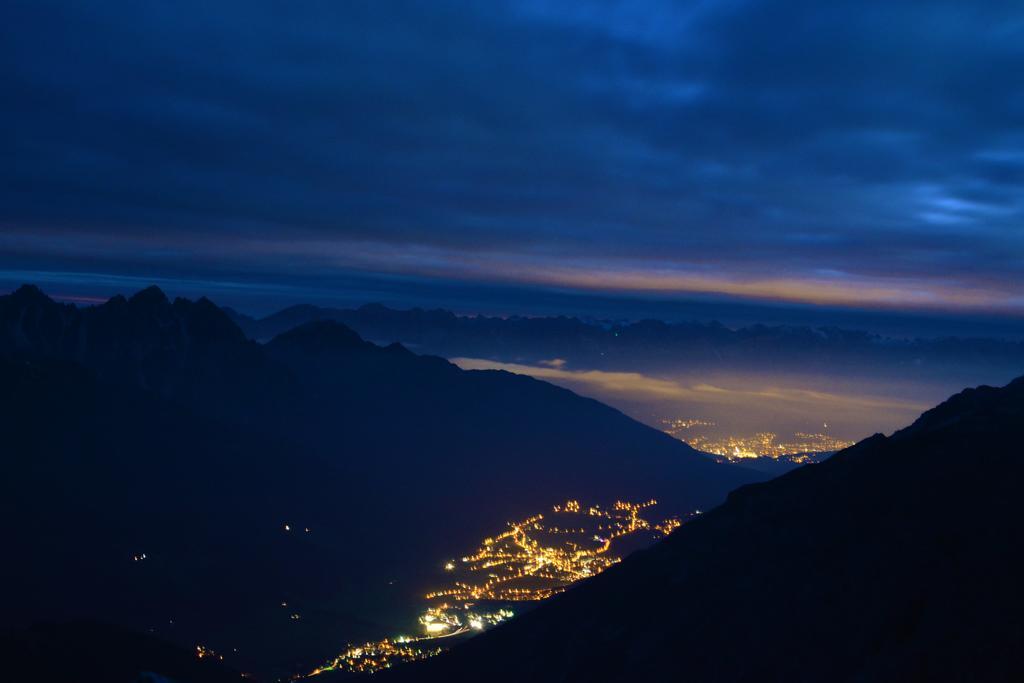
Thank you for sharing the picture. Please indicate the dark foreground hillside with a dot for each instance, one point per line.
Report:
(89, 652)
(275, 502)
(900, 559)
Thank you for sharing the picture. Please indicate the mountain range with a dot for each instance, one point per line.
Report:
(648, 345)
(273, 501)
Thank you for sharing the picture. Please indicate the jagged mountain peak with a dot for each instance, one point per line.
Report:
(978, 404)
(206, 321)
(151, 296)
(320, 336)
(143, 340)
(29, 292)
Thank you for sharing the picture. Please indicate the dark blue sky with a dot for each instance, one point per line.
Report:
(851, 153)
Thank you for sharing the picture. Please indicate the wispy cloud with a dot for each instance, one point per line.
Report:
(606, 274)
(624, 146)
(638, 386)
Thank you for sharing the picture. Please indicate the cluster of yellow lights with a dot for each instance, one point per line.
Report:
(677, 425)
(764, 444)
(382, 654)
(526, 563)
(203, 652)
(531, 560)
(760, 445)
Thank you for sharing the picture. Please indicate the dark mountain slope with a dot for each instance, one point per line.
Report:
(897, 560)
(146, 426)
(484, 437)
(86, 652)
(346, 398)
(97, 475)
(395, 417)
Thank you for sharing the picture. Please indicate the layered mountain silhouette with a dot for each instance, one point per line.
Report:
(898, 559)
(275, 501)
(650, 345)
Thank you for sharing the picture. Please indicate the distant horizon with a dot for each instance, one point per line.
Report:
(259, 300)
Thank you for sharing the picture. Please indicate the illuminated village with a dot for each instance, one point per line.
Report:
(802, 448)
(531, 560)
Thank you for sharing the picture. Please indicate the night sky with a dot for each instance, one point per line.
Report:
(844, 153)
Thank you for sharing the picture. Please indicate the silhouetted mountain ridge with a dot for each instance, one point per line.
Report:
(189, 351)
(145, 425)
(977, 405)
(327, 337)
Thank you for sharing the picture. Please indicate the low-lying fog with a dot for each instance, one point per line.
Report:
(847, 407)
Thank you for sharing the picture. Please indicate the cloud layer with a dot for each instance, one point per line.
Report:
(842, 152)
(743, 401)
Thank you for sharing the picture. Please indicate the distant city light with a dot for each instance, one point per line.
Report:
(798, 450)
(531, 560)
